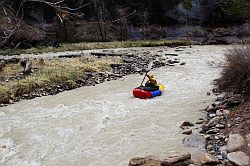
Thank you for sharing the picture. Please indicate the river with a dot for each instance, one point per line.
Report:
(103, 124)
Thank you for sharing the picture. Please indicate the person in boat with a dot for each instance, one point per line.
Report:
(152, 83)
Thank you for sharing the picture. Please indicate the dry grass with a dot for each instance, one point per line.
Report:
(49, 74)
(95, 45)
(236, 74)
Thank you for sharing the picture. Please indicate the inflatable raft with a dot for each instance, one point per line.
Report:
(144, 92)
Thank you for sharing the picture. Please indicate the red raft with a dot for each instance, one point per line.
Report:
(146, 93)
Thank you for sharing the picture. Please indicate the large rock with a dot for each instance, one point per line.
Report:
(208, 159)
(141, 161)
(195, 141)
(181, 160)
(235, 142)
(238, 158)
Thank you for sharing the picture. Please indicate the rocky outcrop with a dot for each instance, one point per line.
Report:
(238, 158)
(180, 160)
(208, 159)
(235, 142)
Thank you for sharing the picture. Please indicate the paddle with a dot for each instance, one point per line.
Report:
(149, 68)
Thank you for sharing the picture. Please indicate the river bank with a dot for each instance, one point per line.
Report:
(221, 137)
(54, 73)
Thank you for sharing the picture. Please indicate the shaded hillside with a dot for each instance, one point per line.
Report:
(41, 22)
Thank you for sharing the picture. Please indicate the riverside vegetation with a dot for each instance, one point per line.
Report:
(46, 76)
(48, 73)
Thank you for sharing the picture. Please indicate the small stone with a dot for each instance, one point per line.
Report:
(208, 93)
(235, 142)
(207, 137)
(220, 157)
(226, 139)
(182, 63)
(229, 125)
(212, 131)
(187, 123)
(220, 126)
(211, 108)
(238, 158)
(209, 147)
(208, 159)
(221, 112)
(187, 132)
(214, 121)
(212, 115)
(137, 161)
(248, 137)
(200, 121)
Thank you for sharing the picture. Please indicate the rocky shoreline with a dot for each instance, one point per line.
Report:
(220, 138)
(131, 63)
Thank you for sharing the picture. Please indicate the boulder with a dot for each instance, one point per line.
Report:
(208, 159)
(235, 142)
(181, 160)
(195, 141)
(238, 158)
(141, 161)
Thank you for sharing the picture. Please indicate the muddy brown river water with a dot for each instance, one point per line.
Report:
(104, 125)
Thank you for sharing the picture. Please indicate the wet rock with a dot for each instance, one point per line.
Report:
(220, 126)
(214, 121)
(213, 131)
(211, 108)
(187, 132)
(187, 123)
(208, 159)
(182, 63)
(139, 161)
(200, 122)
(194, 141)
(248, 137)
(221, 112)
(207, 137)
(238, 158)
(235, 142)
(234, 101)
(181, 160)
(211, 115)
(210, 147)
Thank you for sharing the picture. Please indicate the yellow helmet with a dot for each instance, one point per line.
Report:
(151, 76)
